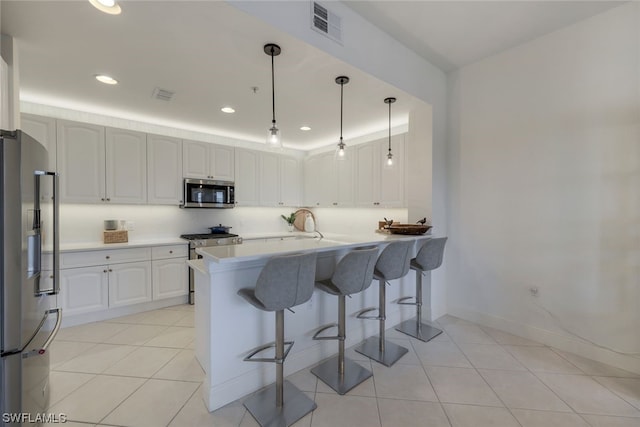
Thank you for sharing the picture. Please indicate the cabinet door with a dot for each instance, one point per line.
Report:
(81, 162)
(367, 175)
(247, 180)
(126, 155)
(195, 160)
(320, 180)
(222, 162)
(83, 290)
(269, 180)
(170, 278)
(312, 182)
(129, 283)
(164, 170)
(290, 181)
(344, 182)
(392, 179)
(43, 130)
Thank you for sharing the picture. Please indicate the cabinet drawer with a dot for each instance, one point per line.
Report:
(172, 251)
(89, 258)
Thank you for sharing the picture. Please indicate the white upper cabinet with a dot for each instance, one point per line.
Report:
(329, 181)
(164, 170)
(208, 161)
(126, 166)
(43, 130)
(81, 162)
(290, 181)
(375, 184)
(247, 187)
(269, 179)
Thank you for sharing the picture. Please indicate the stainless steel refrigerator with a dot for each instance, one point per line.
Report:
(28, 314)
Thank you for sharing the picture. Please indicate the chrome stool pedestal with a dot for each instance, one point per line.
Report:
(392, 264)
(284, 282)
(429, 258)
(353, 274)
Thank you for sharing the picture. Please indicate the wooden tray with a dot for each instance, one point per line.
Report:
(408, 229)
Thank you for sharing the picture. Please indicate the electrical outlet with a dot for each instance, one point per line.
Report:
(534, 291)
(131, 225)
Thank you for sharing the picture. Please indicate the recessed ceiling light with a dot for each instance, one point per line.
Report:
(107, 6)
(106, 79)
(305, 128)
(228, 110)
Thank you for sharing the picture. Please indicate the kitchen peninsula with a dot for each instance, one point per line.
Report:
(227, 328)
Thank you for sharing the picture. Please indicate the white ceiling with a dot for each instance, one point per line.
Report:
(211, 55)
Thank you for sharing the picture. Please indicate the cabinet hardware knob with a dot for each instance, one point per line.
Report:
(102, 199)
(108, 199)
(108, 257)
(110, 270)
(170, 252)
(51, 276)
(104, 271)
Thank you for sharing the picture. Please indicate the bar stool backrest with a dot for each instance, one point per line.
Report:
(286, 281)
(354, 272)
(394, 261)
(430, 255)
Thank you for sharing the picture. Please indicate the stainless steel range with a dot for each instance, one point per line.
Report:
(203, 241)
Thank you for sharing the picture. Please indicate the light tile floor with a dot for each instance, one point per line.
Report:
(140, 370)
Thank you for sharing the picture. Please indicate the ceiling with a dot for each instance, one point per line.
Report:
(211, 55)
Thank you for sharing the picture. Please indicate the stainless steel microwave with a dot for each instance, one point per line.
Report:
(206, 193)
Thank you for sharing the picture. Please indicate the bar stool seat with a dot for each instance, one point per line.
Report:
(392, 264)
(284, 282)
(428, 258)
(353, 274)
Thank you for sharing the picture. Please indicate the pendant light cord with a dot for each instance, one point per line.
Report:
(273, 89)
(341, 97)
(389, 127)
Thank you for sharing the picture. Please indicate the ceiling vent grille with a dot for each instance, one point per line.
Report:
(162, 94)
(326, 22)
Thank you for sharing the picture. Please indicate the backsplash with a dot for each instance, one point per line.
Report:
(81, 223)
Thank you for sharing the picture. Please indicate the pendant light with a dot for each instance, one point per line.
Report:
(340, 150)
(274, 138)
(389, 161)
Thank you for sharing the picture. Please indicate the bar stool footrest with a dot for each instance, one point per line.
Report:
(250, 358)
(354, 374)
(391, 354)
(402, 300)
(324, 328)
(422, 331)
(262, 406)
(360, 314)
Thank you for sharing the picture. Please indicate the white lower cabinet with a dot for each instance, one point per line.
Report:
(170, 278)
(101, 280)
(129, 283)
(83, 290)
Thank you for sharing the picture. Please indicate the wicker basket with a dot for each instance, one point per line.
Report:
(117, 236)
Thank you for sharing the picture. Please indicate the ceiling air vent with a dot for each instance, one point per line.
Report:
(162, 94)
(326, 22)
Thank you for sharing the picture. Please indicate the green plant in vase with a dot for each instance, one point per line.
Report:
(290, 220)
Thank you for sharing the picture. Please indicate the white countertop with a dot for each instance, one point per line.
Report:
(253, 250)
(99, 246)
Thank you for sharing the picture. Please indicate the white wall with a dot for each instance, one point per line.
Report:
(545, 188)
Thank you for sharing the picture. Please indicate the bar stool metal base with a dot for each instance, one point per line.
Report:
(296, 405)
(391, 354)
(353, 375)
(416, 329)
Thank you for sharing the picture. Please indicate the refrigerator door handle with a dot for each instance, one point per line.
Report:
(55, 289)
(53, 334)
(42, 350)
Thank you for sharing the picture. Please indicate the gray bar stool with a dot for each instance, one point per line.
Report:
(393, 263)
(353, 274)
(429, 258)
(284, 282)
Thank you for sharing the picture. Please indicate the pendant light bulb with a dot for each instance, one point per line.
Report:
(274, 138)
(341, 152)
(388, 164)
